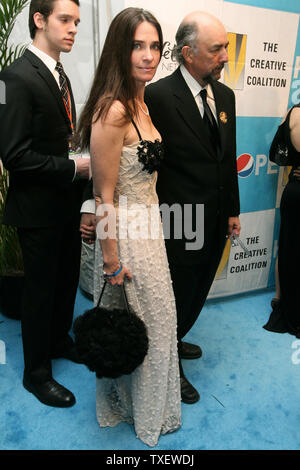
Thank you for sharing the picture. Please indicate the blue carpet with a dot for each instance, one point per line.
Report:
(248, 380)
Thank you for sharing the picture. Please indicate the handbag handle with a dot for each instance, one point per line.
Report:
(123, 292)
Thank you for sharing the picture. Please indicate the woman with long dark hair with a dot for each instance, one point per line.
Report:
(126, 150)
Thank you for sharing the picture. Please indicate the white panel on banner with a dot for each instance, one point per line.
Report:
(240, 272)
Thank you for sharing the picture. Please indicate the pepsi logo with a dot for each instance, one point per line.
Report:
(245, 165)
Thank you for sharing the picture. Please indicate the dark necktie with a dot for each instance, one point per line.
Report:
(209, 120)
(64, 87)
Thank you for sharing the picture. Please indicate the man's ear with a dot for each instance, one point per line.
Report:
(187, 53)
(39, 20)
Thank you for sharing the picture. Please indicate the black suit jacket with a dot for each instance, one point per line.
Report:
(34, 134)
(192, 171)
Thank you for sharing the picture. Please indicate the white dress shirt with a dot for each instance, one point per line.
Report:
(195, 88)
(48, 61)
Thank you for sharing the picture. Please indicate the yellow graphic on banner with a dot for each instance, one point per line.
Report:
(285, 175)
(234, 70)
(222, 269)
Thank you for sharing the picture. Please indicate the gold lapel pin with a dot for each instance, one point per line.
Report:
(223, 117)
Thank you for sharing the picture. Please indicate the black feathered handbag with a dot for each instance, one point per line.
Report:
(110, 342)
(279, 150)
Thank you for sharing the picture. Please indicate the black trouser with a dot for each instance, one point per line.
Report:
(51, 264)
(191, 284)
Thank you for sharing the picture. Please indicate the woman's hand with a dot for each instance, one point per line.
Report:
(118, 280)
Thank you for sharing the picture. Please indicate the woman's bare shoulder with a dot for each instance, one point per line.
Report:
(116, 113)
(295, 116)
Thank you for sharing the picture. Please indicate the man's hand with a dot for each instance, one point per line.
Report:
(234, 225)
(88, 228)
(83, 167)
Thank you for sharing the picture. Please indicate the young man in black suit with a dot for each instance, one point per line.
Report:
(45, 191)
(199, 166)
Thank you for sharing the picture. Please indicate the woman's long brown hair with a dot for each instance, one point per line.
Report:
(113, 78)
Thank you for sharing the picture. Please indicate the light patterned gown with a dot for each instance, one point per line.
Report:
(149, 398)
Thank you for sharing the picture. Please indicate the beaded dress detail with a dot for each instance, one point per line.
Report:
(149, 398)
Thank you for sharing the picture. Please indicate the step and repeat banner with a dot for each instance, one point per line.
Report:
(264, 72)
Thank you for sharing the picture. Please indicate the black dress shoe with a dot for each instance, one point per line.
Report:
(188, 393)
(189, 351)
(50, 393)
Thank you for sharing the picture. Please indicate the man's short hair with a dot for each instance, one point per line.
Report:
(187, 35)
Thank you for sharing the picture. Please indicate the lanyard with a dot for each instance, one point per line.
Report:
(69, 110)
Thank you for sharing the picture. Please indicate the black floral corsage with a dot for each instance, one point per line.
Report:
(150, 154)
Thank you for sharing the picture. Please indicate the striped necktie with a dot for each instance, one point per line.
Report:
(64, 87)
